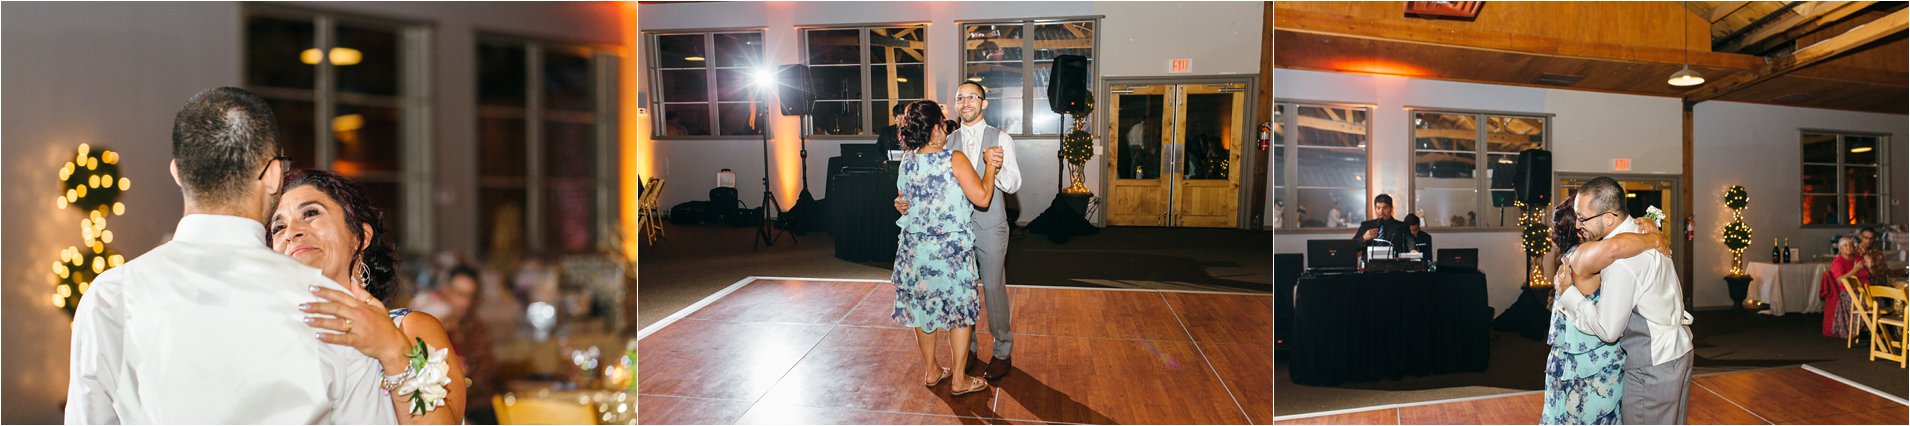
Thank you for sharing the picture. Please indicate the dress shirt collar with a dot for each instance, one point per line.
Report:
(979, 124)
(1626, 226)
(220, 229)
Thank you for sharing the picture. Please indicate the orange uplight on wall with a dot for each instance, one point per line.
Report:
(1372, 66)
(633, 140)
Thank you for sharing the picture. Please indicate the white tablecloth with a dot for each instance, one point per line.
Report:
(1788, 287)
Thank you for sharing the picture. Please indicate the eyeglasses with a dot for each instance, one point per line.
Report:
(968, 98)
(281, 158)
(1582, 221)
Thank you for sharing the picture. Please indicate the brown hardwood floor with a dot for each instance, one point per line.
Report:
(826, 352)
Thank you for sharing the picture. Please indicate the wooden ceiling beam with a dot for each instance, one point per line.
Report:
(1311, 22)
(1794, 26)
(1849, 41)
(1724, 9)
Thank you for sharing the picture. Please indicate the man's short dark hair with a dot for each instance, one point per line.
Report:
(220, 140)
(1383, 199)
(1411, 219)
(898, 108)
(1603, 194)
(1870, 229)
(978, 87)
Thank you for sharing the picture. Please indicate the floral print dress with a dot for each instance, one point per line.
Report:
(935, 273)
(1584, 376)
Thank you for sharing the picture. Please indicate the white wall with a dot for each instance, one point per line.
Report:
(1757, 146)
(1137, 39)
(1589, 128)
(113, 75)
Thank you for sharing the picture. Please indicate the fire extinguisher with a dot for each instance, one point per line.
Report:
(1266, 135)
(1689, 234)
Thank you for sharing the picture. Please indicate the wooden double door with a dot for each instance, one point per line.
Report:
(1176, 151)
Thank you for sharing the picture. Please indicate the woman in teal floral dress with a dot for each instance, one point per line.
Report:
(935, 274)
(1584, 376)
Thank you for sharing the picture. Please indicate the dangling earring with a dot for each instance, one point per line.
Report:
(364, 276)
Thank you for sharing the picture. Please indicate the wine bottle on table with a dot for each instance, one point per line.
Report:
(1776, 256)
(1787, 251)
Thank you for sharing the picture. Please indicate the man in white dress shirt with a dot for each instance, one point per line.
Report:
(206, 327)
(1641, 306)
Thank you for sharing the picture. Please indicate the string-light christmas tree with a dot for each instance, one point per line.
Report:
(1737, 235)
(1537, 240)
(90, 184)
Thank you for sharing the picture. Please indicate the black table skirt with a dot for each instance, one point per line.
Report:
(1366, 327)
(862, 216)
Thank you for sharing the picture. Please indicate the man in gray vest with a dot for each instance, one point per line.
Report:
(989, 224)
(1641, 308)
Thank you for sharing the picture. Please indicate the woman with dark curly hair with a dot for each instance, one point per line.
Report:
(935, 273)
(324, 221)
(1584, 376)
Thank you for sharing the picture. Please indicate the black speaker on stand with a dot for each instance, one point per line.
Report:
(1532, 183)
(799, 99)
(1067, 94)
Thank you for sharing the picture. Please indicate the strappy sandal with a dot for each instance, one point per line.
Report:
(938, 380)
(982, 387)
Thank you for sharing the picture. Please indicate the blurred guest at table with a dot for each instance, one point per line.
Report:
(1420, 240)
(1848, 263)
(325, 221)
(1871, 249)
(452, 300)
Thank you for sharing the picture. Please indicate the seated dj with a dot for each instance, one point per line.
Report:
(1384, 227)
(1421, 241)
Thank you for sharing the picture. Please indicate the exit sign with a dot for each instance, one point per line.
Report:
(1621, 164)
(1180, 66)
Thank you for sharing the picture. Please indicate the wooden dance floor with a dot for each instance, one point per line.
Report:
(1791, 395)
(825, 352)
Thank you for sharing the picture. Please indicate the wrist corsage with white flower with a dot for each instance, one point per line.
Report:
(424, 378)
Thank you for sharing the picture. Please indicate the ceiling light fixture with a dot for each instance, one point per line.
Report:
(1685, 77)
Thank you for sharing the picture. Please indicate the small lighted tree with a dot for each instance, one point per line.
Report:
(1537, 240)
(1737, 235)
(90, 184)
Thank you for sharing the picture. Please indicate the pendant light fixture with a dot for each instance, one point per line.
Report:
(1685, 77)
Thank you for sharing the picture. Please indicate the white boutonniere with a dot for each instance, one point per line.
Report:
(1656, 216)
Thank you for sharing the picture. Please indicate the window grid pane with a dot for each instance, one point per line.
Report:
(1330, 178)
(1841, 180)
(1452, 187)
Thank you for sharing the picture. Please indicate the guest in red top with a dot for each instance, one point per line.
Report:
(1847, 264)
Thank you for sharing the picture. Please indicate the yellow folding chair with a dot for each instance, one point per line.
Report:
(540, 411)
(1887, 332)
(1859, 317)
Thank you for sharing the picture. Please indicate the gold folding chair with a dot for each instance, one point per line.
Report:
(540, 411)
(650, 214)
(1859, 318)
(1887, 332)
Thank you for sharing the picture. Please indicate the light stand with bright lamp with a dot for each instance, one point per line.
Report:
(1685, 77)
(764, 82)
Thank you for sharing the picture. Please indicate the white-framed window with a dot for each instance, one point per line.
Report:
(1842, 176)
(544, 126)
(859, 73)
(1012, 59)
(1463, 164)
(1320, 164)
(703, 81)
(348, 95)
